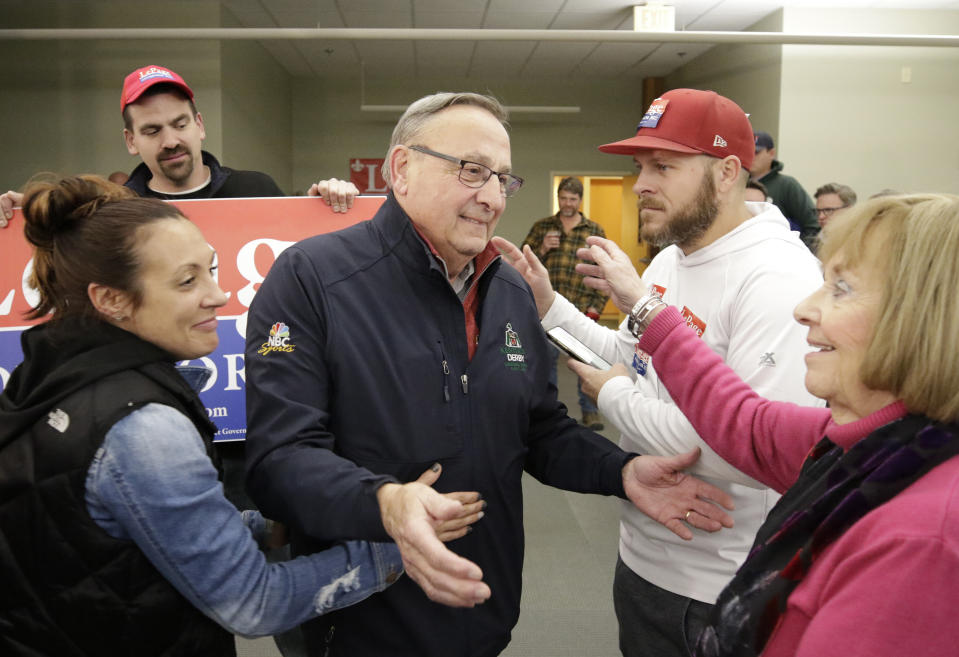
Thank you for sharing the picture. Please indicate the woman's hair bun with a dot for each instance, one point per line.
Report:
(54, 208)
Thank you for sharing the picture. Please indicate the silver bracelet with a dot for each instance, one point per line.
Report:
(639, 316)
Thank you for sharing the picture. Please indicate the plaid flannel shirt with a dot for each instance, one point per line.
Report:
(561, 261)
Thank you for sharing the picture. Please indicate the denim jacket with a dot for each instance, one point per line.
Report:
(152, 482)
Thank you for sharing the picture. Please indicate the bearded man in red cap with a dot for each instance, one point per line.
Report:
(737, 271)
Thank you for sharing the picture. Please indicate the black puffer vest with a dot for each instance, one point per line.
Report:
(68, 588)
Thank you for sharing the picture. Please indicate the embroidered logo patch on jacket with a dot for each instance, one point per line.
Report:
(278, 340)
(513, 349)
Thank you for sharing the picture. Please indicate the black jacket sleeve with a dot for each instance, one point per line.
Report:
(293, 471)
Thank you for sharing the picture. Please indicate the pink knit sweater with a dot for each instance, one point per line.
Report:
(889, 586)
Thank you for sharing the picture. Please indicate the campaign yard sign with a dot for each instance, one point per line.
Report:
(248, 235)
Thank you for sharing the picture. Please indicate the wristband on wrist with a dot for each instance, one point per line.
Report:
(640, 315)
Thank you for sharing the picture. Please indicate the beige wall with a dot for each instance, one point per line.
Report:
(256, 116)
(749, 74)
(842, 113)
(847, 116)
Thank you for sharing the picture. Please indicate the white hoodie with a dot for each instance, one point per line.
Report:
(740, 291)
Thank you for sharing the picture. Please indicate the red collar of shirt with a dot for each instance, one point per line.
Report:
(471, 302)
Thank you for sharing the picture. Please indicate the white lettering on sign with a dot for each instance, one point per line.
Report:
(31, 296)
(371, 185)
(235, 371)
(246, 265)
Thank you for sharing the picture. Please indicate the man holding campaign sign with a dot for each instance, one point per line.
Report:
(163, 127)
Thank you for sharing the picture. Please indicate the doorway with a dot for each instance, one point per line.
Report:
(608, 200)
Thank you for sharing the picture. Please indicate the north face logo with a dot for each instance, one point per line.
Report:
(719, 141)
(59, 420)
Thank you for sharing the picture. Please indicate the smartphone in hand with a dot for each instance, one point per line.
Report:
(572, 346)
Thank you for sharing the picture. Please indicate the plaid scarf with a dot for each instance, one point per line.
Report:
(833, 491)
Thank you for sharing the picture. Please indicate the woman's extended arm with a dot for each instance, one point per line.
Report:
(153, 483)
(765, 439)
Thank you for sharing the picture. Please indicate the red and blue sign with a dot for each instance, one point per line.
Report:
(248, 235)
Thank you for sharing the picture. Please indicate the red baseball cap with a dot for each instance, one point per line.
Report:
(692, 121)
(143, 78)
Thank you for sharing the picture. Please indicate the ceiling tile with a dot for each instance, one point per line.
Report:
(444, 57)
(443, 6)
(242, 5)
(290, 58)
(329, 19)
(449, 19)
(500, 58)
(296, 18)
(520, 20)
(610, 19)
(505, 58)
(330, 58)
(288, 5)
(508, 6)
(552, 58)
(254, 18)
(665, 59)
(355, 18)
(614, 59)
(388, 58)
(371, 6)
(729, 19)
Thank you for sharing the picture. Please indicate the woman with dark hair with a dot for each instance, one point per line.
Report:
(115, 536)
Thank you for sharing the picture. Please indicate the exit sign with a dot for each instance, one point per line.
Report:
(654, 17)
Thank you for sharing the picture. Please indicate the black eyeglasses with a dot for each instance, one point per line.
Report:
(828, 211)
(475, 175)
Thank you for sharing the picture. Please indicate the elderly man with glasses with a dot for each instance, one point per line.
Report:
(402, 343)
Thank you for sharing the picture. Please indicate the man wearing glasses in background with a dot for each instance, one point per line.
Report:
(405, 342)
(832, 197)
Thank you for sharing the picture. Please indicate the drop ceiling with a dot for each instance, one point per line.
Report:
(520, 59)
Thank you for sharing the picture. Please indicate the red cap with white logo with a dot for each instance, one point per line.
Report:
(692, 121)
(143, 78)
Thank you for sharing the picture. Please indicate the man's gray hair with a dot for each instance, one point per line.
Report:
(418, 114)
(844, 192)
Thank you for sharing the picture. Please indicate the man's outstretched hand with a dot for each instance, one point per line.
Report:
(532, 271)
(471, 509)
(659, 488)
(412, 514)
